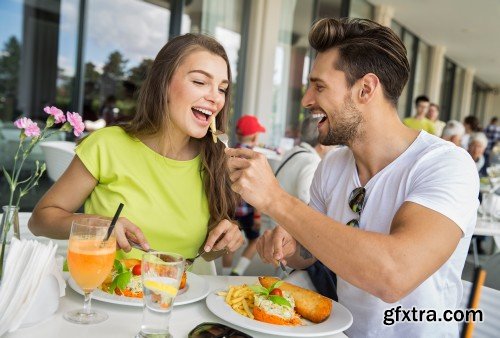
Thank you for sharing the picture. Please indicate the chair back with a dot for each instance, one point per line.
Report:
(202, 267)
(58, 156)
(489, 303)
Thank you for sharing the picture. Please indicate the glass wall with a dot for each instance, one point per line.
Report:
(456, 99)
(447, 86)
(122, 40)
(421, 69)
(222, 19)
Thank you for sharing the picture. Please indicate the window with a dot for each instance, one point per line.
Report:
(447, 90)
(421, 69)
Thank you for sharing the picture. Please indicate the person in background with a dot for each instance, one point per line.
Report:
(392, 212)
(477, 146)
(296, 170)
(492, 132)
(471, 124)
(163, 165)
(419, 121)
(433, 115)
(248, 129)
(453, 132)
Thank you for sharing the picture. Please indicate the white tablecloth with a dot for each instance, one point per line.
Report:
(125, 321)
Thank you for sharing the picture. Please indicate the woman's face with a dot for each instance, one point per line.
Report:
(197, 92)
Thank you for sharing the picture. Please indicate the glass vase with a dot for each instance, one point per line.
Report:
(8, 228)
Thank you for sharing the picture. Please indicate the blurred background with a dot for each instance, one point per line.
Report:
(91, 56)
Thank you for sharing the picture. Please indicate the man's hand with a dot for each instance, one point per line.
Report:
(125, 230)
(276, 245)
(252, 177)
(225, 235)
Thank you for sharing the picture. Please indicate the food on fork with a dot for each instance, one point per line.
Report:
(308, 304)
(213, 129)
(125, 279)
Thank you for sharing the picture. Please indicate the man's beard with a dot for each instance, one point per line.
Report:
(347, 123)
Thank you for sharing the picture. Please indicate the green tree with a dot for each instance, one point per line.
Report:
(91, 74)
(9, 66)
(115, 65)
(138, 74)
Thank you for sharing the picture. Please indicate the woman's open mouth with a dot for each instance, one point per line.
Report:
(201, 113)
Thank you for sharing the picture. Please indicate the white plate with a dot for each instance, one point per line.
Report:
(340, 320)
(197, 288)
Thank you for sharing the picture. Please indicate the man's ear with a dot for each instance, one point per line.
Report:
(369, 87)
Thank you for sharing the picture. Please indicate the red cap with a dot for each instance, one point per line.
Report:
(249, 125)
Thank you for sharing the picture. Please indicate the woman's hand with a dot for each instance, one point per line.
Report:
(125, 231)
(225, 235)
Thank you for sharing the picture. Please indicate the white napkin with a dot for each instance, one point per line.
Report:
(28, 264)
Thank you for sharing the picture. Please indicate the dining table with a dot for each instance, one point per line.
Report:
(125, 321)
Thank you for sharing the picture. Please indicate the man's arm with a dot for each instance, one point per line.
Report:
(377, 263)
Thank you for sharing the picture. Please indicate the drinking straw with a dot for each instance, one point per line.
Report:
(113, 222)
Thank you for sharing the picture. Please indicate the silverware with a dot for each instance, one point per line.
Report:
(190, 261)
(283, 268)
(221, 136)
(138, 246)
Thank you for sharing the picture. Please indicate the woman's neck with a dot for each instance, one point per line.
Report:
(175, 146)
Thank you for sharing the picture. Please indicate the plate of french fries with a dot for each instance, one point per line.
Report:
(236, 305)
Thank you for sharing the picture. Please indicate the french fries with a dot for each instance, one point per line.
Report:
(213, 129)
(240, 299)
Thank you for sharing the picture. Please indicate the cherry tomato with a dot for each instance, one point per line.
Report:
(276, 292)
(136, 270)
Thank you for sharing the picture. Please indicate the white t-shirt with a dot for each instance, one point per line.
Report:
(431, 172)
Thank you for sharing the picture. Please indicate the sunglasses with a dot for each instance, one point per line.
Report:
(356, 203)
(216, 330)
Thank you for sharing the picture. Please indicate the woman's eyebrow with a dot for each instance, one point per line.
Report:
(206, 74)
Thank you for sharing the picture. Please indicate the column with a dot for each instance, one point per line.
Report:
(467, 93)
(383, 15)
(262, 42)
(435, 75)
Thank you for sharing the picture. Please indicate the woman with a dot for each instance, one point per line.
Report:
(164, 165)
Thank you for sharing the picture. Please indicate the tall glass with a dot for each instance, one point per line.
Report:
(161, 276)
(90, 259)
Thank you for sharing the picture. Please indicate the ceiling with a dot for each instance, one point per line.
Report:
(469, 29)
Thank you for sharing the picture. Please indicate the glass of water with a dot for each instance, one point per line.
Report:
(161, 276)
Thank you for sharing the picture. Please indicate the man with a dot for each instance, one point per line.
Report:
(419, 121)
(453, 132)
(433, 116)
(410, 197)
(492, 132)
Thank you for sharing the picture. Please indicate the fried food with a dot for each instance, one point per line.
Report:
(240, 299)
(308, 304)
(213, 129)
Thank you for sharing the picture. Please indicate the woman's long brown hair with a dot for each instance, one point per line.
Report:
(152, 117)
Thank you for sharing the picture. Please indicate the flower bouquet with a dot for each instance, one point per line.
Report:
(29, 137)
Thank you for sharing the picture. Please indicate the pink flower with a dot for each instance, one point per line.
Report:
(76, 122)
(30, 127)
(56, 112)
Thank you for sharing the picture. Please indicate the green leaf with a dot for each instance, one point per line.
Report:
(259, 290)
(279, 300)
(275, 285)
(7, 176)
(123, 279)
(65, 265)
(118, 266)
(112, 286)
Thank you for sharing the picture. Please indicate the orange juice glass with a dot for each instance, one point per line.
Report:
(90, 259)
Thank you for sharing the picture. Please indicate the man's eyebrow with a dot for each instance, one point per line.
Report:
(315, 79)
(206, 74)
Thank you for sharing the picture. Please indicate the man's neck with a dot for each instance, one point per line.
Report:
(384, 138)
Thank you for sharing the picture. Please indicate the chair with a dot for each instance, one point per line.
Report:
(490, 305)
(58, 156)
(492, 267)
(202, 267)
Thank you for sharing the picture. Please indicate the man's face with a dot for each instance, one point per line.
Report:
(329, 97)
(433, 113)
(422, 107)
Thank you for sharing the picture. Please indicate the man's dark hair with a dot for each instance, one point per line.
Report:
(364, 47)
(494, 120)
(422, 98)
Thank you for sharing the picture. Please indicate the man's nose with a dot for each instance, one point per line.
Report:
(308, 99)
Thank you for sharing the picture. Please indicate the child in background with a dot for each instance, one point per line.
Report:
(248, 128)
